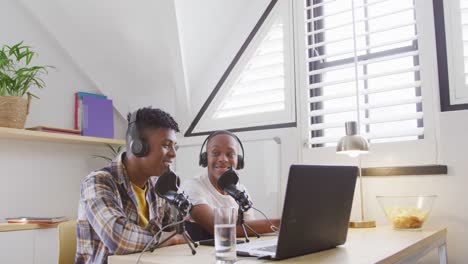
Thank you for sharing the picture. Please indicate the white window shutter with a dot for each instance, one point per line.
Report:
(260, 86)
(257, 91)
(464, 23)
(363, 65)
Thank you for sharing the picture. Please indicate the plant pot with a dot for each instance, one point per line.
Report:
(13, 111)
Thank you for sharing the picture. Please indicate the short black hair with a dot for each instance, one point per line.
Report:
(223, 132)
(152, 118)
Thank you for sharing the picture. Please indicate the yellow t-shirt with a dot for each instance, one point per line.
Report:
(143, 212)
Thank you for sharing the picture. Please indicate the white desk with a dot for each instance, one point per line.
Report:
(373, 245)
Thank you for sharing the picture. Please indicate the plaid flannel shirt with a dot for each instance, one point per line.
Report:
(108, 215)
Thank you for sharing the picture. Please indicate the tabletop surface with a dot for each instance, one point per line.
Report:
(367, 245)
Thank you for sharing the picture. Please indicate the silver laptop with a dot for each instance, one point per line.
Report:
(316, 213)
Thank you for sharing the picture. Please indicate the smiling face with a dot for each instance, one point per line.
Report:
(162, 143)
(222, 154)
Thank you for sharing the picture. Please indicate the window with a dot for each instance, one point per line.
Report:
(463, 10)
(451, 22)
(260, 86)
(257, 90)
(363, 64)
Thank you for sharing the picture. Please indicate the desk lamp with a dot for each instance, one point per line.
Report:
(354, 145)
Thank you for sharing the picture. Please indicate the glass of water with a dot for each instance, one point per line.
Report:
(225, 219)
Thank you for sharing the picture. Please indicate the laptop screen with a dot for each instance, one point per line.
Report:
(316, 210)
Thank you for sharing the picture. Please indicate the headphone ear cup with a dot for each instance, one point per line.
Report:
(135, 147)
(240, 162)
(139, 148)
(203, 160)
(144, 148)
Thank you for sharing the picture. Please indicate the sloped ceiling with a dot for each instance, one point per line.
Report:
(128, 49)
(164, 53)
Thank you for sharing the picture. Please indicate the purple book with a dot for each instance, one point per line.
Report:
(98, 118)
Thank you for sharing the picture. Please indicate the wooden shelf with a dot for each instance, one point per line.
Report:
(23, 134)
(5, 227)
(405, 170)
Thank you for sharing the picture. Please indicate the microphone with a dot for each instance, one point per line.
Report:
(167, 187)
(227, 182)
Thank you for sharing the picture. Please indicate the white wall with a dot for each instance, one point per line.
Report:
(42, 178)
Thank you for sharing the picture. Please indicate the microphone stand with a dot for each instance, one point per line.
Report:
(241, 222)
(180, 230)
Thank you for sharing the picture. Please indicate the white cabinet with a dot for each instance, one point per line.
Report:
(37, 246)
(17, 247)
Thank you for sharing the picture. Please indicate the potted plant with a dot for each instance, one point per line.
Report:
(17, 77)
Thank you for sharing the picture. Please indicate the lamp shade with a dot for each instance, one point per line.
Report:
(352, 144)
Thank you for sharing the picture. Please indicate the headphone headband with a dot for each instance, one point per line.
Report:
(203, 155)
(133, 118)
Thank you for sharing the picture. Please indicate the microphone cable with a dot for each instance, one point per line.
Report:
(158, 236)
(273, 228)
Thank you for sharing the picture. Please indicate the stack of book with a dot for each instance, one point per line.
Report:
(94, 115)
(47, 221)
(56, 130)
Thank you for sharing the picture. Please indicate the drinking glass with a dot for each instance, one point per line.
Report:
(225, 234)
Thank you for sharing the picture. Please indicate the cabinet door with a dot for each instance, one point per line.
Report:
(17, 247)
(46, 246)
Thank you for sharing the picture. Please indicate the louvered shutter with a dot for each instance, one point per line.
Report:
(464, 23)
(366, 48)
(260, 86)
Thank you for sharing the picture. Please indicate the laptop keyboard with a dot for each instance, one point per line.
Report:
(269, 248)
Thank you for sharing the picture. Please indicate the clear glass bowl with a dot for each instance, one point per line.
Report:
(407, 212)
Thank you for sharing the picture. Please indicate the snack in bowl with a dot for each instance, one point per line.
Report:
(406, 217)
(407, 212)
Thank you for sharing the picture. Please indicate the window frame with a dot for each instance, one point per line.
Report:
(203, 124)
(422, 151)
(448, 50)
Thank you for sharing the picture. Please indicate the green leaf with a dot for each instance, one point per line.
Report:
(29, 56)
(16, 77)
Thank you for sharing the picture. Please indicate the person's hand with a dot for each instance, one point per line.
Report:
(178, 239)
(175, 240)
(164, 236)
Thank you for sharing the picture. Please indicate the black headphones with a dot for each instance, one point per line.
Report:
(203, 161)
(138, 145)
